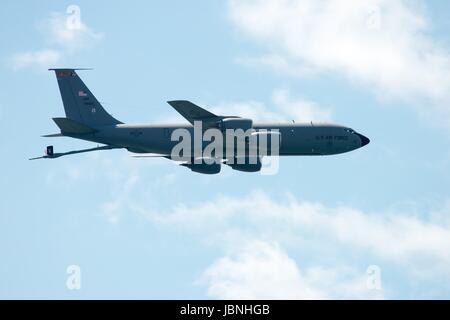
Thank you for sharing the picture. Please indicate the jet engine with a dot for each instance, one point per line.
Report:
(235, 123)
(204, 168)
(268, 137)
(249, 165)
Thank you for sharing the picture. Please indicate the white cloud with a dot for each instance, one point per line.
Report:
(42, 59)
(389, 235)
(284, 247)
(380, 44)
(300, 108)
(59, 31)
(259, 271)
(62, 36)
(284, 108)
(263, 270)
(418, 244)
(113, 209)
(275, 62)
(124, 182)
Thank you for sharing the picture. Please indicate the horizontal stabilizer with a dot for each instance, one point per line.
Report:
(71, 126)
(60, 69)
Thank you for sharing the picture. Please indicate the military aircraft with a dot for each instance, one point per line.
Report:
(86, 119)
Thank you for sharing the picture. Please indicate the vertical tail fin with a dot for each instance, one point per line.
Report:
(80, 104)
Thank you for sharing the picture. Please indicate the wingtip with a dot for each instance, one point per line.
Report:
(54, 135)
(172, 102)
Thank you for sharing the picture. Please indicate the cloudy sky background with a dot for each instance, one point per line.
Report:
(147, 228)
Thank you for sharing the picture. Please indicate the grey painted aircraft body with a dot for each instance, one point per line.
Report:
(87, 120)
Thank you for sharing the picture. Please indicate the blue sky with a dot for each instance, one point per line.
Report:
(147, 228)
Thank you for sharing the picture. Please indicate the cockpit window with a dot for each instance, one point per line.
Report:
(349, 130)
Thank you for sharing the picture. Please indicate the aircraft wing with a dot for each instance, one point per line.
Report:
(152, 155)
(192, 112)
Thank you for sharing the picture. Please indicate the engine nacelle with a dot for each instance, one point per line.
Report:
(204, 168)
(249, 165)
(270, 139)
(235, 123)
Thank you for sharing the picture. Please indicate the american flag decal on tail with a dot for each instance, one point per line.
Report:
(65, 73)
(82, 94)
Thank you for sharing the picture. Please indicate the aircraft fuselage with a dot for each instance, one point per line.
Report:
(296, 139)
(203, 145)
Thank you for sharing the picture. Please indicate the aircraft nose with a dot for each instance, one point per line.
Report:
(364, 139)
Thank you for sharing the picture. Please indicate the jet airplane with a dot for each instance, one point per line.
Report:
(86, 119)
